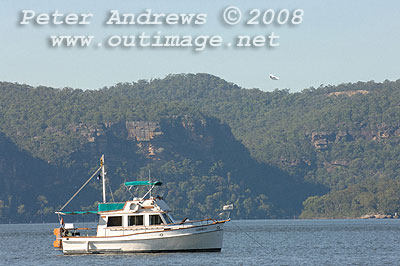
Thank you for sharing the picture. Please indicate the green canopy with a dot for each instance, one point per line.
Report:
(143, 183)
(111, 206)
(78, 212)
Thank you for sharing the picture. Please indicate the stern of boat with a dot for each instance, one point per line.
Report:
(57, 244)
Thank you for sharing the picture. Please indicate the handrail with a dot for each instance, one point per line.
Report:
(194, 221)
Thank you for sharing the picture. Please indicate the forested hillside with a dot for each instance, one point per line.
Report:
(332, 151)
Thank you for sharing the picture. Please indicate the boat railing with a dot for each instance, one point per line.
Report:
(200, 222)
(81, 231)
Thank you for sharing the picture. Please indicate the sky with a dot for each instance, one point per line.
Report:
(336, 42)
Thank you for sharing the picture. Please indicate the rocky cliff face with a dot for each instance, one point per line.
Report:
(321, 140)
(157, 139)
(348, 92)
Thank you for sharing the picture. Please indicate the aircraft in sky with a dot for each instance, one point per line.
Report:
(273, 77)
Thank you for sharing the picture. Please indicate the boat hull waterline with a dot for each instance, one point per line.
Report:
(206, 238)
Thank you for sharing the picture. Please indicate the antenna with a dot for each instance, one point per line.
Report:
(149, 182)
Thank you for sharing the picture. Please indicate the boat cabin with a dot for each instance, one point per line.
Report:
(138, 214)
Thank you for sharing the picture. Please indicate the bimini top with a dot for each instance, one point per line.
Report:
(143, 183)
(76, 212)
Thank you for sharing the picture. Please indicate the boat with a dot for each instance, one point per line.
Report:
(143, 224)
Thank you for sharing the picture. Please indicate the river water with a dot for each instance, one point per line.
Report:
(246, 242)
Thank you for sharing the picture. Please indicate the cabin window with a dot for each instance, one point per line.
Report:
(155, 220)
(114, 221)
(135, 220)
(167, 219)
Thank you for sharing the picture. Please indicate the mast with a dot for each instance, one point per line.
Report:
(149, 183)
(103, 175)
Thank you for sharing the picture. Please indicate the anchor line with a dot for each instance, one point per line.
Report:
(251, 237)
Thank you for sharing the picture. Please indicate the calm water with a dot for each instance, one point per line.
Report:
(260, 242)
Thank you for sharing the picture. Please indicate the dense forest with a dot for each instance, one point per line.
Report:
(326, 152)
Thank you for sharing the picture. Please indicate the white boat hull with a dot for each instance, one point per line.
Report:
(198, 238)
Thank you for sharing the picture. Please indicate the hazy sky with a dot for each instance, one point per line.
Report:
(337, 41)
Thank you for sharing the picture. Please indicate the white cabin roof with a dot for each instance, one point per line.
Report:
(139, 206)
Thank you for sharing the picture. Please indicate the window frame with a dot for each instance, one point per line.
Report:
(129, 220)
(159, 217)
(166, 218)
(114, 217)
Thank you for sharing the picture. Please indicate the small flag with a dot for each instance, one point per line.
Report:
(62, 222)
(99, 177)
(101, 161)
(227, 207)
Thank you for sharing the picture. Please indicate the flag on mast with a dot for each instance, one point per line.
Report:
(227, 207)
